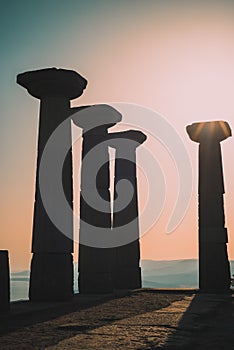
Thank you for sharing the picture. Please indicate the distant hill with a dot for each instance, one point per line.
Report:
(150, 268)
(170, 274)
(155, 274)
(25, 273)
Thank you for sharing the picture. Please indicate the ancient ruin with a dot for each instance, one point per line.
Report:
(214, 269)
(109, 252)
(95, 273)
(126, 269)
(52, 260)
(102, 267)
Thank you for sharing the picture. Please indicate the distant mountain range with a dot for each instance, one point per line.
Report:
(155, 274)
(170, 274)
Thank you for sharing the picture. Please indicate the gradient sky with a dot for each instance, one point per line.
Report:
(175, 57)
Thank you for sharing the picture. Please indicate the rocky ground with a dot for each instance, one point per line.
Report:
(143, 319)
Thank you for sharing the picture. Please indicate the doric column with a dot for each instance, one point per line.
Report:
(95, 210)
(126, 269)
(214, 269)
(52, 263)
(4, 281)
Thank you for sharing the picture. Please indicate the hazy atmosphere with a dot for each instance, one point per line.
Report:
(173, 57)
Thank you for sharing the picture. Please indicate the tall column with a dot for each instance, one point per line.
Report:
(126, 269)
(214, 269)
(52, 263)
(95, 212)
(4, 281)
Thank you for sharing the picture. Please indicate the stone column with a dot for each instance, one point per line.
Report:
(214, 269)
(95, 212)
(4, 281)
(126, 270)
(52, 263)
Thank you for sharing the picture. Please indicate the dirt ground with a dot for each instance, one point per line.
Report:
(143, 319)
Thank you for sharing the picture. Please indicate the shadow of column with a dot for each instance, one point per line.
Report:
(207, 323)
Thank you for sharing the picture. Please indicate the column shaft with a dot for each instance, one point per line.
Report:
(126, 269)
(94, 262)
(127, 272)
(214, 269)
(51, 275)
(46, 236)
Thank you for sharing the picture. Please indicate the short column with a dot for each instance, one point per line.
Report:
(4, 281)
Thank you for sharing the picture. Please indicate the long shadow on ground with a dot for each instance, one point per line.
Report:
(207, 324)
(47, 326)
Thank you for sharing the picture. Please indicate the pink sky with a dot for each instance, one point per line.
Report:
(177, 62)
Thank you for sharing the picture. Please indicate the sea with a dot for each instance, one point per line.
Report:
(155, 274)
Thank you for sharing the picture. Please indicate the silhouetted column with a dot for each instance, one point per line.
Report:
(126, 270)
(214, 269)
(95, 211)
(52, 263)
(4, 281)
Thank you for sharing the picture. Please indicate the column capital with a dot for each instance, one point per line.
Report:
(213, 131)
(96, 119)
(118, 139)
(52, 82)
